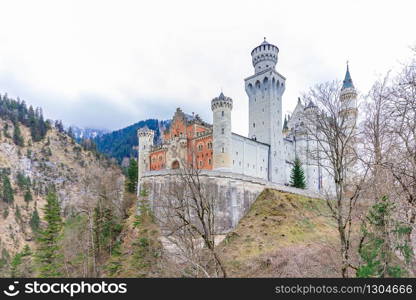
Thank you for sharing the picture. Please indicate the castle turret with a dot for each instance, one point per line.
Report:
(222, 144)
(145, 137)
(348, 98)
(265, 89)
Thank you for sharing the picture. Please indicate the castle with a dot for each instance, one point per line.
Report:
(269, 150)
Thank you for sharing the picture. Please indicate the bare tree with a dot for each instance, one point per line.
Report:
(188, 220)
(377, 141)
(403, 132)
(333, 129)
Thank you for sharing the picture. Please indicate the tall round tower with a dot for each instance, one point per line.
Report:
(145, 137)
(222, 144)
(265, 90)
(264, 56)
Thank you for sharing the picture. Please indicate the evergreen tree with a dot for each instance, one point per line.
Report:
(20, 259)
(71, 133)
(297, 177)
(132, 176)
(8, 196)
(28, 196)
(34, 221)
(381, 236)
(17, 136)
(48, 253)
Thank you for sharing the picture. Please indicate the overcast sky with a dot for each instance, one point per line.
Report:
(108, 64)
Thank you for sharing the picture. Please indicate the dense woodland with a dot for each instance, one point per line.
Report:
(18, 112)
(121, 143)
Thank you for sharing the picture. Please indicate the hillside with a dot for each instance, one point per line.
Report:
(122, 143)
(283, 235)
(31, 168)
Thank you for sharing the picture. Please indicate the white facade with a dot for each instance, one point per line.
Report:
(250, 158)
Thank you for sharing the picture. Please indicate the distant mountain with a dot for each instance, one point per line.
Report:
(87, 133)
(122, 143)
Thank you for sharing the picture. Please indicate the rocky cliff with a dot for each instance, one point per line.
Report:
(79, 177)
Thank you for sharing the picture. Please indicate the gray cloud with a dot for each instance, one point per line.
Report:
(108, 64)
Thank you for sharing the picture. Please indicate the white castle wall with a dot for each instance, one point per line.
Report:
(249, 157)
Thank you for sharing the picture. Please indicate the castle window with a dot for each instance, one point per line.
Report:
(209, 161)
(222, 130)
(222, 150)
(209, 145)
(254, 125)
(222, 114)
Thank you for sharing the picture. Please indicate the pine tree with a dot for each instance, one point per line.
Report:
(132, 176)
(8, 196)
(382, 236)
(34, 221)
(48, 254)
(297, 177)
(17, 136)
(28, 196)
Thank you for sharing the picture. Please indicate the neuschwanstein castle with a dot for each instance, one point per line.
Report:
(266, 155)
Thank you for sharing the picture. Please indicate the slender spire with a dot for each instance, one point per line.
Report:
(285, 124)
(347, 83)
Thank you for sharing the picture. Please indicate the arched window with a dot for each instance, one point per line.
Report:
(222, 130)
(222, 114)
(175, 165)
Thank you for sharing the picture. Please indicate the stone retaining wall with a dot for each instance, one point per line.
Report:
(234, 192)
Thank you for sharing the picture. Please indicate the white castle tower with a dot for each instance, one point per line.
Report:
(222, 142)
(349, 111)
(265, 89)
(348, 98)
(145, 137)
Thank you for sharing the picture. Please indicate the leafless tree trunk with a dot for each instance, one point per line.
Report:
(332, 129)
(403, 162)
(188, 220)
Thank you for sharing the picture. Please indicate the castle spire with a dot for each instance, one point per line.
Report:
(347, 83)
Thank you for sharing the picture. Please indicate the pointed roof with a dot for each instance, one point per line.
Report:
(265, 42)
(310, 105)
(285, 124)
(347, 83)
